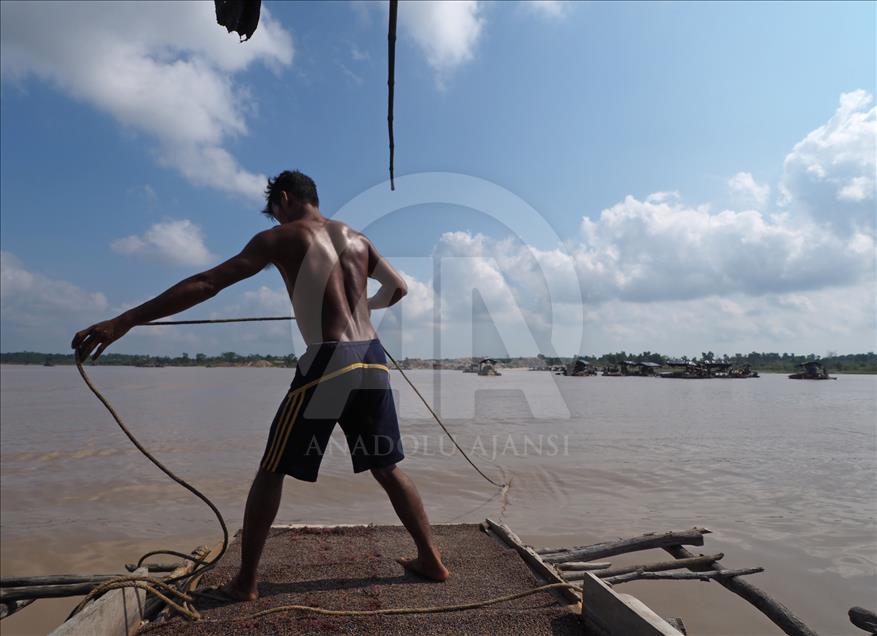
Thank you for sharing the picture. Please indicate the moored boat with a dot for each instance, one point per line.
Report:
(812, 370)
(487, 366)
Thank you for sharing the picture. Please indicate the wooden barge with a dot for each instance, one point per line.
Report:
(344, 579)
(812, 370)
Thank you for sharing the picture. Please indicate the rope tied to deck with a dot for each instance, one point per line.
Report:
(435, 609)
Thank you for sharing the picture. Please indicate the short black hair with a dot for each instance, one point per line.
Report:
(296, 184)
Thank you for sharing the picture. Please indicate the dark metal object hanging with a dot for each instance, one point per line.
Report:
(241, 16)
(391, 80)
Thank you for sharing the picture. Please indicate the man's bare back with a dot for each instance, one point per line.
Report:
(325, 266)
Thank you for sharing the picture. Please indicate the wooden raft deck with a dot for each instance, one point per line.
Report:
(353, 567)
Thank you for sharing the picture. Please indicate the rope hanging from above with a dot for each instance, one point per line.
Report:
(391, 80)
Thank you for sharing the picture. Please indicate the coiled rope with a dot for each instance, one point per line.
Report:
(162, 589)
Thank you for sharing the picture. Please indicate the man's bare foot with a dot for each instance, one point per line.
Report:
(432, 569)
(235, 590)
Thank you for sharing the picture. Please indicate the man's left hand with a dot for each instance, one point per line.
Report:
(99, 336)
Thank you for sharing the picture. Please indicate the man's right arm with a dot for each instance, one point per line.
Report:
(393, 286)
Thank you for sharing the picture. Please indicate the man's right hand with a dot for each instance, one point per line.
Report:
(100, 336)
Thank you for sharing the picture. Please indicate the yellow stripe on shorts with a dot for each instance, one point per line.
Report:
(290, 412)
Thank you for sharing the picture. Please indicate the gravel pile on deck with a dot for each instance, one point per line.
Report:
(354, 568)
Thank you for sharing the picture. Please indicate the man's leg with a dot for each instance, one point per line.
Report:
(262, 504)
(408, 505)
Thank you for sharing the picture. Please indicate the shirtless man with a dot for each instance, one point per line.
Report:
(342, 377)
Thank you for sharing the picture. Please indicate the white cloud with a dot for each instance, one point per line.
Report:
(744, 187)
(28, 296)
(447, 33)
(179, 242)
(644, 251)
(659, 250)
(419, 303)
(163, 70)
(830, 174)
(39, 312)
(549, 8)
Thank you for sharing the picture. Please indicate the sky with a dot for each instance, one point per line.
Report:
(571, 178)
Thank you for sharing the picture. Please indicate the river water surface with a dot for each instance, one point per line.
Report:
(783, 472)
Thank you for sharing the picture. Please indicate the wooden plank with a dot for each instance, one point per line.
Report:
(680, 576)
(781, 616)
(116, 613)
(694, 536)
(54, 579)
(661, 566)
(532, 559)
(608, 612)
(582, 565)
(12, 594)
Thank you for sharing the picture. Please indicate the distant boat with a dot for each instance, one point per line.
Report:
(686, 370)
(487, 367)
(812, 370)
(743, 372)
(640, 369)
(717, 369)
(580, 368)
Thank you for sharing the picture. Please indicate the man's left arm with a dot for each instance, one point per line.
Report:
(185, 294)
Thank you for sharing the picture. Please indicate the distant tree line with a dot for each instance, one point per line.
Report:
(767, 362)
(229, 358)
(776, 362)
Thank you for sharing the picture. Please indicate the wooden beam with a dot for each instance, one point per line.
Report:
(54, 579)
(527, 553)
(581, 565)
(661, 566)
(10, 594)
(694, 536)
(680, 576)
(781, 616)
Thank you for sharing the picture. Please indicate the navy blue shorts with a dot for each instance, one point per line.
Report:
(336, 382)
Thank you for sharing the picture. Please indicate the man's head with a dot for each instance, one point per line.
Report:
(288, 193)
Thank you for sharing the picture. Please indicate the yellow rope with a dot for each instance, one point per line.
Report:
(407, 610)
(152, 586)
(503, 487)
(436, 609)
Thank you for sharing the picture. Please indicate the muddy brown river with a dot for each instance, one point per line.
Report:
(783, 472)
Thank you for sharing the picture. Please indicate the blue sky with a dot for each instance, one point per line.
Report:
(131, 158)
